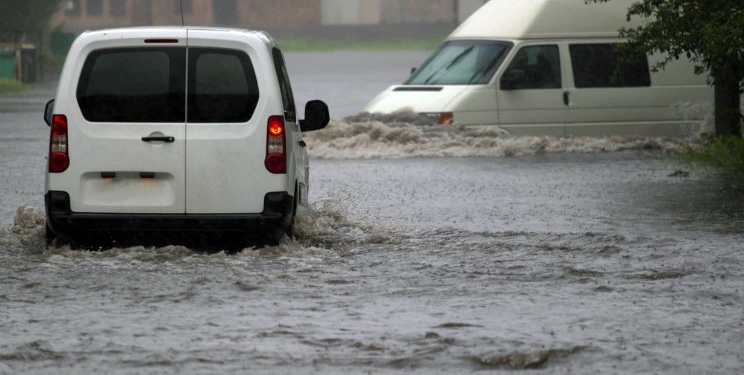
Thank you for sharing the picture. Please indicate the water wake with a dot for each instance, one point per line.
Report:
(406, 135)
(323, 226)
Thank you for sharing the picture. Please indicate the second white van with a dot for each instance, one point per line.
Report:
(551, 67)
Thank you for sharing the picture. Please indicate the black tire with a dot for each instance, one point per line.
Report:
(49, 237)
(291, 228)
(52, 240)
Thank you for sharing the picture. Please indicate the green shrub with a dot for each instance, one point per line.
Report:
(722, 156)
(10, 86)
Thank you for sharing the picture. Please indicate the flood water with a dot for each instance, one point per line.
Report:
(426, 250)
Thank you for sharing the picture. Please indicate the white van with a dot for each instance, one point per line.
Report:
(161, 134)
(550, 67)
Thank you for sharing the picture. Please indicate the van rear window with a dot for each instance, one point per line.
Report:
(604, 65)
(133, 85)
(223, 86)
(150, 85)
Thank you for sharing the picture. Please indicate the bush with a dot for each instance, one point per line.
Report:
(10, 86)
(722, 156)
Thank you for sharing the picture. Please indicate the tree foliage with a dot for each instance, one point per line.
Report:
(708, 32)
(19, 16)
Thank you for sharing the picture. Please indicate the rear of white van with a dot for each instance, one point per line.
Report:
(171, 129)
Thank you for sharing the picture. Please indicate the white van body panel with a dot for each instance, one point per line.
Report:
(397, 98)
(660, 108)
(544, 19)
(237, 148)
(97, 148)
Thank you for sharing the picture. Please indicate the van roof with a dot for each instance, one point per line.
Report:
(529, 19)
(156, 30)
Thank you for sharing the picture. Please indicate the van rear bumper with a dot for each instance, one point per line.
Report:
(160, 229)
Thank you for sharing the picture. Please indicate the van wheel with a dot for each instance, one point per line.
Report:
(49, 236)
(51, 240)
(290, 229)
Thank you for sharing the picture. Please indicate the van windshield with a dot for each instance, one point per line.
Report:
(461, 62)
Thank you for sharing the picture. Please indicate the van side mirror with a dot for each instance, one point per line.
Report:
(48, 112)
(512, 79)
(316, 116)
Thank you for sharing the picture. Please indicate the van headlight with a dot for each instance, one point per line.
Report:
(441, 118)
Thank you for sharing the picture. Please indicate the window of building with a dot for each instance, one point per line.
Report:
(117, 7)
(606, 65)
(94, 7)
(72, 7)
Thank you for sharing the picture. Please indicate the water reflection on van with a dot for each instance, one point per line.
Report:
(552, 67)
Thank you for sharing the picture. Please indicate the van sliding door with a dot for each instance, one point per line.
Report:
(530, 95)
(611, 93)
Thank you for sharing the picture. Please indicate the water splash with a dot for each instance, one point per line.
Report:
(406, 135)
(322, 226)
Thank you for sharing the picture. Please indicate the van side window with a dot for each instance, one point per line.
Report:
(133, 85)
(222, 86)
(603, 65)
(282, 76)
(535, 67)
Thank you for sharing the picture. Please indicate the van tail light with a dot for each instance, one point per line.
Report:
(59, 158)
(276, 145)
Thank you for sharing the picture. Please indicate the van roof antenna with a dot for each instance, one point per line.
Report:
(180, 5)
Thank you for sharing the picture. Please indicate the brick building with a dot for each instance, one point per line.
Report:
(276, 15)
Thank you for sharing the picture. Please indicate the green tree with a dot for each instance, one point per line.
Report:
(710, 33)
(21, 16)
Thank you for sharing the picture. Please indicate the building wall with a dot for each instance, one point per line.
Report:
(75, 16)
(350, 12)
(417, 11)
(288, 14)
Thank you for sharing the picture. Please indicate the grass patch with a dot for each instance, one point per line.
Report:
(301, 44)
(722, 156)
(10, 86)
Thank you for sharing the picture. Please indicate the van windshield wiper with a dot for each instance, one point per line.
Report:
(487, 67)
(451, 63)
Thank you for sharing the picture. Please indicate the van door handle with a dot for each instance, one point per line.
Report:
(566, 97)
(302, 144)
(165, 139)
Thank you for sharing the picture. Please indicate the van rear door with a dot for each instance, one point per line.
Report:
(226, 137)
(127, 141)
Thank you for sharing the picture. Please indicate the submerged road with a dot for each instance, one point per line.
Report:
(423, 252)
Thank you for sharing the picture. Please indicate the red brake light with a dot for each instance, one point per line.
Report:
(276, 151)
(59, 158)
(276, 129)
(161, 41)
